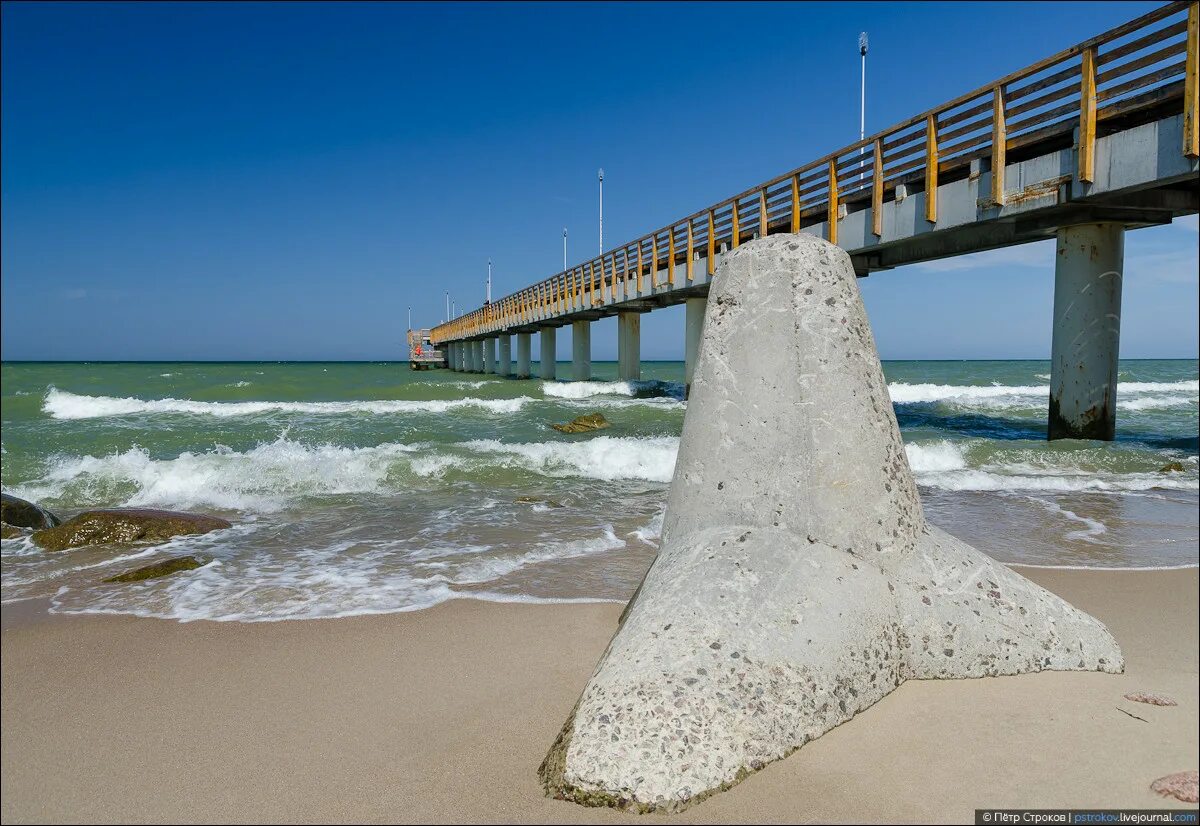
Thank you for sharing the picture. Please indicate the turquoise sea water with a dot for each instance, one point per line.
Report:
(365, 487)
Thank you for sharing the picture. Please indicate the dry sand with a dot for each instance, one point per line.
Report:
(445, 714)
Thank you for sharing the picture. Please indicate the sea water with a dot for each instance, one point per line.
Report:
(361, 488)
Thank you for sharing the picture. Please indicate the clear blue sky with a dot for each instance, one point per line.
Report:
(280, 181)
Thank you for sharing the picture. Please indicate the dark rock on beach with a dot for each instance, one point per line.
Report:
(160, 569)
(1172, 467)
(21, 514)
(582, 424)
(9, 532)
(102, 527)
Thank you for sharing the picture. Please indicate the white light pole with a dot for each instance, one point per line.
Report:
(410, 318)
(453, 310)
(447, 305)
(489, 282)
(564, 249)
(602, 210)
(862, 99)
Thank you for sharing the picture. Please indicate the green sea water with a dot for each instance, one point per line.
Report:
(367, 487)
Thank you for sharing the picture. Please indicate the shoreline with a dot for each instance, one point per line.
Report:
(444, 715)
(32, 610)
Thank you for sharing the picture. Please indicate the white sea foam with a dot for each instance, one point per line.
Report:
(650, 459)
(262, 479)
(480, 569)
(1130, 395)
(274, 474)
(1092, 529)
(651, 532)
(339, 579)
(586, 389)
(945, 465)
(649, 389)
(62, 404)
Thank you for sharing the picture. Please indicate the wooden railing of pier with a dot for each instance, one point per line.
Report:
(1148, 65)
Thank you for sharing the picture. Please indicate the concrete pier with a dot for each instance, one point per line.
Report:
(1087, 331)
(504, 356)
(693, 328)
(477, 356)
(489, 355)
(461, 355)
(548, 341)
(629, 346)
(581, 350)
(524, 348)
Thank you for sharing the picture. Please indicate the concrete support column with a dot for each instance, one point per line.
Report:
(504, 359)
(524, 348)
(548, 341)
(450, 356)
(693, 328)
(472, 365)
(581, 350)
(462, 357)
(489, 355)
(629, 346)
(1087, 331)
(477, 355)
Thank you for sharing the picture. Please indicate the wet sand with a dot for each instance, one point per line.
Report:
(445, 714)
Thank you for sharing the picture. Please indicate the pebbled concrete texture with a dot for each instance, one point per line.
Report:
(798, 581)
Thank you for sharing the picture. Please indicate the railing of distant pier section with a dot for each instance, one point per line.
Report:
(1147, 64)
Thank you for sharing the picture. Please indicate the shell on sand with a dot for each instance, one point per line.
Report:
(1151, 699)
(1181, 786)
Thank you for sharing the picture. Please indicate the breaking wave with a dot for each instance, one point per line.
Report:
(275, 474)
(62, 404)
(1130, 395)
(946, 465)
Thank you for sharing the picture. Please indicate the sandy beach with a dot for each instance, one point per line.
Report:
(445, 714)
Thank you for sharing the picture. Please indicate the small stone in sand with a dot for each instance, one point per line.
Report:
(1151, 699)
(1181, 786)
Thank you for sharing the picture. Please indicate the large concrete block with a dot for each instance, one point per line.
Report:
(798, 581)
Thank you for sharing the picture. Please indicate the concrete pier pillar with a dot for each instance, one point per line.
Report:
(478, 355)
(452, 355)
(629, 346)
(548, 341)
(581, 350)
(693, 327)
(474, 354)
(489, 355)
(504, 358)
(1087, 331)
(462, 357)
(524, 347)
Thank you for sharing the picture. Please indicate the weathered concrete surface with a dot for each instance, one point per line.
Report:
(798, 582)
(1088, 267)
